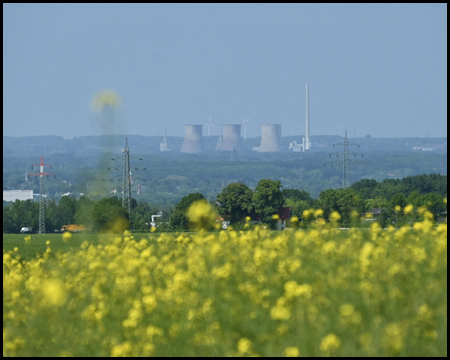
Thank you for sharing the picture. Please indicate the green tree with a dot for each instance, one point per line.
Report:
(24, 214)
(8, 224)
(434, 203)
(109, 215)
(67, 207)
(236, 201)
(348, 201)
(266, 200)
(398, 199)
(366, 188)
(328, 202)
(297, 195)
(297, 206)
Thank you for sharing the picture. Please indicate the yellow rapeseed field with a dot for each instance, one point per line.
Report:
(316, 292)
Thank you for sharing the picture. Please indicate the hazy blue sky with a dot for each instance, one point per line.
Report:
(373, 69)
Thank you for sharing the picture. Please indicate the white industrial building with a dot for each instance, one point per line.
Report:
(13, 195)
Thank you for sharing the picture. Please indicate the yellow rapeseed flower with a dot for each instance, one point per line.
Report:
(244, 345)
(66, 236)
(292, 351)
(334, 216)
(201, 215)
(330, 343)
(53, 292)
(408, 209)
(307, 213)
(397, 208)
(393, 338)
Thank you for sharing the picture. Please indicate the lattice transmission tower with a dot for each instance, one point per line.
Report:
(346, 161)
(126, 200)
(126, 179)
(41, 175)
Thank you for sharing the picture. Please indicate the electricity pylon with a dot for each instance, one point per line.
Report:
(126, 197)
(126, 200)
(345, 154)
(41, 175)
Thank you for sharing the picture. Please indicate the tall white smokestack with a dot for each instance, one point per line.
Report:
(193, 141)
(270, 139)
(307, 143)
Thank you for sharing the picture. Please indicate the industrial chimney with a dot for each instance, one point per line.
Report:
(231, 138)
(193, 141)
(271, 137)
(307, 143)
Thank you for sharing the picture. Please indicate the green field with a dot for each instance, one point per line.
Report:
(38, 245)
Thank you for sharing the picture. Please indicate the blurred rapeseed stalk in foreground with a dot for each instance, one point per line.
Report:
(316, 292)
(201, 216)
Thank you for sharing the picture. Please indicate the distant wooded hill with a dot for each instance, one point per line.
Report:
(91, 145)
(172, 175)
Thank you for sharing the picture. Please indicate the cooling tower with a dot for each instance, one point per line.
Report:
(231, 138)
(193, 141)
(270, 139)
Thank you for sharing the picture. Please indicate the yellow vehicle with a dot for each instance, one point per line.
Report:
(73, 228)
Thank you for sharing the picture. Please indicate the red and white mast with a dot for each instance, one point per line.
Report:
(41, 175)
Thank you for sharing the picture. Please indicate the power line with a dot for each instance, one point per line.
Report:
(345, 162)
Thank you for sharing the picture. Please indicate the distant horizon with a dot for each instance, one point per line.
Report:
(248, 137)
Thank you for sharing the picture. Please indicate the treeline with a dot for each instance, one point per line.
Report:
(237, 201)
(106, 214)
(381, 199)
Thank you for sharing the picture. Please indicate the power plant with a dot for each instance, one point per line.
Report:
(270, 138)
(231, 138)
(193, 140)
